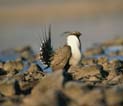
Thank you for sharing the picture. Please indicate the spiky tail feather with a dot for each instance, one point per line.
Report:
(46, 49)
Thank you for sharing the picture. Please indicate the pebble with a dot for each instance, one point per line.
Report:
(87, 72)
(8, 87)
(89, 61)
(93, 51)
(13, 66)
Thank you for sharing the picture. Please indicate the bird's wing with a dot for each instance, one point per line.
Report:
(46, 49)
(60, 58)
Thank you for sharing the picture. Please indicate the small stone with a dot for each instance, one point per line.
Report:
(102, 60)
(107, 66)
(25, 48)
(115, 41)
(8, 103)
(26, 55)
(19, 59)
(45, 90)
(33, 73)
(93, 51)
(112, 74)
(93, 98)
(74, 91)
(8, 88)
(34, 68)
(114, 53)
(2, 72)
(87, 71)
(114, 97)
(13, 66)
(116, 80)
(89, 61)
(115, 64)
(1, 65)
(121, 53)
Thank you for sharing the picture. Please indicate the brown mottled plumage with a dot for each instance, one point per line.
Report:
(60, 58)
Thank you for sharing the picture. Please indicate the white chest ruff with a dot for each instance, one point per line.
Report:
(74, 43)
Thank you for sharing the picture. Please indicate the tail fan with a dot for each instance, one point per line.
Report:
(46, 49)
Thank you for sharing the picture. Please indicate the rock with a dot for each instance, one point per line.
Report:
(114, 96)
(19, 59)
(114, 50)
(113, 65)
(30, 78)
(88, 72)
(2, 72)
(9, 88)
(102, 60)
(121, 53)
(26, 87)
(26, 55)
(25, 48)
(13, 66)
(34, 68)
(89, 61)
(116, 64)
(115, 41)
(12, 101)
(93, 98)
(107, 66)
(80, 94)
(73, 90)
(115, 80)
(112, 74)
(93, 51)
(1, 65)
(45, 90)
(33, 73)
(113, 53)
(8, 103)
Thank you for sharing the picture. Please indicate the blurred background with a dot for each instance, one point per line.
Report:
(22, 21)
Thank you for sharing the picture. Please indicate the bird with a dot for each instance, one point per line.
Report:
(63, 57)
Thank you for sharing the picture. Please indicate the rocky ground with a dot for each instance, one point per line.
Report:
(98, 82)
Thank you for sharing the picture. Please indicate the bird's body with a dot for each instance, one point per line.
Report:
(68, 55)
(60, 57)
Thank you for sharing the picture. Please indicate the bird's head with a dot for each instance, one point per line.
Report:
(75, 33)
